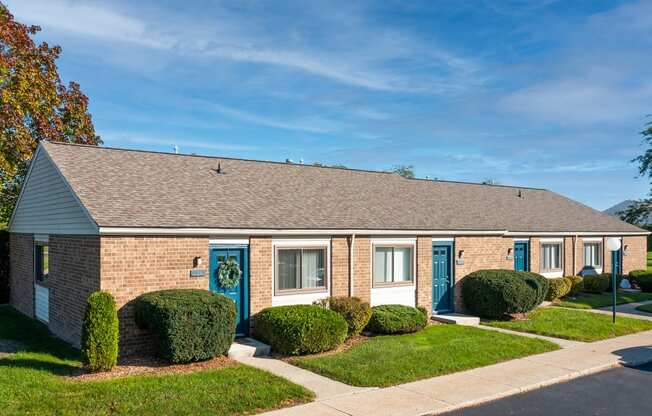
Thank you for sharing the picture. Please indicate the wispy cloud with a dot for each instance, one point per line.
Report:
(121, 138)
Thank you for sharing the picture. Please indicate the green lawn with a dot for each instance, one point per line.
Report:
(574, 325)
(592, 300)
(649, 260)
(437, 350)
(645, 308)
(32, 382)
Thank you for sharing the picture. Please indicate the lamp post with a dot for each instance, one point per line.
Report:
(613, 244)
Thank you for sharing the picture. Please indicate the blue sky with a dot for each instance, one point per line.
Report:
(533, 93)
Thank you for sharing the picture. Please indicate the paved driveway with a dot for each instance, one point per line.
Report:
(620, 391)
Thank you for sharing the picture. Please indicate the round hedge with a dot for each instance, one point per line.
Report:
(558, 288)
(355, 312)
(643, 280)
(495, 293)
(576, 285)
(99, 346)
(300, 329)
(396, 319)
(190, 324)
(596, 283)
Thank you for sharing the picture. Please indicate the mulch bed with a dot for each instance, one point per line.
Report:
(146, 365)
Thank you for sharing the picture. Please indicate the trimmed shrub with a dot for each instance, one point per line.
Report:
(595, 283)
(495, 293)
(576, 284)
(643, 280)
(355, 312)
(558, 288)
(619, 279)
(300, 329)
(396, 319)
(190, 324)
(99, 345)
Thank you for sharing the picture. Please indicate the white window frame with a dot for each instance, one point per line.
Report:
(557, 272)
(600, 253)
(410, 243)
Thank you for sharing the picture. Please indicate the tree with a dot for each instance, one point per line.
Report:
(34, 105)
(406, 171)
(638, 212)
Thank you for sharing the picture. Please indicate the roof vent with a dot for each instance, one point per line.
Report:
(288, 161)
(520, 194)
(219, 170)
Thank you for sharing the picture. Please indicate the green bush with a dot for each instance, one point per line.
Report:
(619, 279)
(576, 284)
(495, 293)
(355, 312)
(558, 288)
(396, 319)
(595, 283)
(300, 329)
(643, 280)
(99, 345)
(190, 324)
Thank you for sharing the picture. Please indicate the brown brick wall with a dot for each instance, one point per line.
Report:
(340, 266)
(636, 258)
(535, 254)
(424, 273)
(568, 256)
(74, 275)
(362, 268)
(479, 253)
(21, 279)
(606, 257)
(260, 274)
(131, 266)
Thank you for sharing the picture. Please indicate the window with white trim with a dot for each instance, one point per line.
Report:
(300, 270)
(593, 255)
(393, 265)
(41, 262)
(551, 257)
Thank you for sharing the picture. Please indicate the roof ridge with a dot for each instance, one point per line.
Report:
(291, 164)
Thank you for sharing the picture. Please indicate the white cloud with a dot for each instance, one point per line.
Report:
(119, 138)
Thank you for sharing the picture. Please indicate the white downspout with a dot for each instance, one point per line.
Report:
(352, 241)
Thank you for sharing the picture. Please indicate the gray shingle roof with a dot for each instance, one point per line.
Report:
(127, 188)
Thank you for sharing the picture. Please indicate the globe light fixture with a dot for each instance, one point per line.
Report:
(613, 244)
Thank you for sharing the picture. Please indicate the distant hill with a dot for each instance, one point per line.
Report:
(622, 207)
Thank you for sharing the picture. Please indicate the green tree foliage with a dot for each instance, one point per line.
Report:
(406, 171)
(638, 212)
(35, 105)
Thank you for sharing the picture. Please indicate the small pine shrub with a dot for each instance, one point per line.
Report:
(396, 319)
(300, 329)
(643, 280)
(495, 293)
(99, 346)
(576, 284)
(189, 324)
(558, 288)
(595, 283)
(355, 312)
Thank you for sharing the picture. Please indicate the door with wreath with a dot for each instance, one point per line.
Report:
(229, 277)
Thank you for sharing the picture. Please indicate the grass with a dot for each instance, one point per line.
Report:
(645, 308)
(593, 300)
(574, 325)
(439, 349)
(649, 260)
(32, 382)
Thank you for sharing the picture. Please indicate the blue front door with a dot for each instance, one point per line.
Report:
(521, 256)
(240, 293)
(442, 278)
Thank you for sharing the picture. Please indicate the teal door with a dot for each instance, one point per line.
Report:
(240, 293)
(616, 261)
(442, 278)
(521, 256)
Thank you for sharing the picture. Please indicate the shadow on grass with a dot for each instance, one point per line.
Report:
(57, 369)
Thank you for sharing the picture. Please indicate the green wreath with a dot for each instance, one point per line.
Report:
(229, 274)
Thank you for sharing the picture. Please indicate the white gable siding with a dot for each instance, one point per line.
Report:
(47, 204)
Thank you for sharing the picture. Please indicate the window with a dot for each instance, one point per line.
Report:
(592, 254)
(41, 262)
(392, 265)
(301, 269)
(550, 257)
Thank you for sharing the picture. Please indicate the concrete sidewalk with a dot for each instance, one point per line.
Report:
(468, 388)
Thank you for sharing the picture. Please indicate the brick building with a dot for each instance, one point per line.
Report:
(130, 222)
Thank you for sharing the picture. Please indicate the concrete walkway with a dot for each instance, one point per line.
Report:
(468, 388)
(628, 310)
(563, 343)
